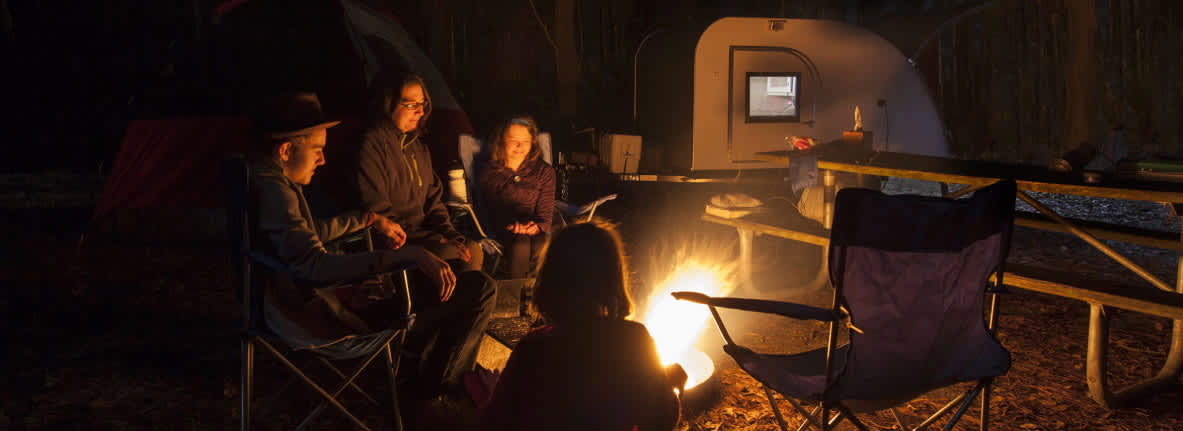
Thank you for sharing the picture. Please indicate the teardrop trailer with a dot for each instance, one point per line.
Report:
(707, 101)
(710, 109)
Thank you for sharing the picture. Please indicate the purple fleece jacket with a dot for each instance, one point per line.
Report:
(531, 197)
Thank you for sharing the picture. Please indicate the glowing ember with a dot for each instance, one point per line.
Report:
(676, 325)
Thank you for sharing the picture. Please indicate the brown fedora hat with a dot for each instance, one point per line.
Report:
(291, 114)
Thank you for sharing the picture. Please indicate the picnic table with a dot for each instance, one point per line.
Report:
(1154, 297)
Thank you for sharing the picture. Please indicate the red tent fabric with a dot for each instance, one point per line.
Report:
(172, 163)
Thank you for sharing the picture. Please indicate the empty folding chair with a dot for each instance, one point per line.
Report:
(910, 277)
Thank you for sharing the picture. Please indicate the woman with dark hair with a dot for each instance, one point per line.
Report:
(519, 191)
(588, 368)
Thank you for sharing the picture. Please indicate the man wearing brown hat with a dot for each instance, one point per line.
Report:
(291, 147)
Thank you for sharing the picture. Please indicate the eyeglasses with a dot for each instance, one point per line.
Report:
(414, 106)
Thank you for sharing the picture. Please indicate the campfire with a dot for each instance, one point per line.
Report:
(677, 325)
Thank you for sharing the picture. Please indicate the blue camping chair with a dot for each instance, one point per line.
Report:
(250, 266)
(910, 273)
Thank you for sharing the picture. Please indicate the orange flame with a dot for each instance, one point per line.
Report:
(677, 325)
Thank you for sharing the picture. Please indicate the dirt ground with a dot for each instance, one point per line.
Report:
(139, 337)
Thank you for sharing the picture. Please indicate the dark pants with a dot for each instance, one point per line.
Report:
(522, 253)
(445, 337)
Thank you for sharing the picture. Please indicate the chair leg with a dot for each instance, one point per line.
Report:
(806, 423)
(964, 406)
(985, 423)
(941, 412)
(348, 381)
(355, 387)
(248, 374)
(392, 363)
(844, 413)
(775, 411)
(330, 398)
(810, 418)
(895, 414)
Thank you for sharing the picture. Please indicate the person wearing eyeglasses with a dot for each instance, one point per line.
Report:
(395, 179)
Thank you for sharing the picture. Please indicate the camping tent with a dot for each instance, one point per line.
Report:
(169, 166)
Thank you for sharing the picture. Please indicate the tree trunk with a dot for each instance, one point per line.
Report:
(6, 21)
(566, 59)
(1080, 75)
(440, 37)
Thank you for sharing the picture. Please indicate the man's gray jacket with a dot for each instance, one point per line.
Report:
(285, 228)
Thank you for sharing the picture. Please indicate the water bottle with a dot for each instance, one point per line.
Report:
(456, 184)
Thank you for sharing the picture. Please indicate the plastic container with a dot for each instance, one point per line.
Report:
(457, 187)
(620, 153)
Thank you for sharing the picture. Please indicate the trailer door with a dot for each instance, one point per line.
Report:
(770, 98)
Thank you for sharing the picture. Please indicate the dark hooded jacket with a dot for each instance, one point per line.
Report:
(395, 179)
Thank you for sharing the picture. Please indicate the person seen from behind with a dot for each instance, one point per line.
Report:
(588, 367)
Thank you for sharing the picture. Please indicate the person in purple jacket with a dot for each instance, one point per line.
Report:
(519, 191)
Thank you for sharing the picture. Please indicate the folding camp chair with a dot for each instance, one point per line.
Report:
(910, 273)
(236, 179)
(474, 154)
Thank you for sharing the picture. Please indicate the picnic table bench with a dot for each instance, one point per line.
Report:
(1155, 297)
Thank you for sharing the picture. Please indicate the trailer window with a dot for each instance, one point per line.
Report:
(772, 97)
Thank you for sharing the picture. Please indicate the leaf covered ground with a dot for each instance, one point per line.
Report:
(139, 337)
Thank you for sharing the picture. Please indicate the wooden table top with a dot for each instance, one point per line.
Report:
(977, 172)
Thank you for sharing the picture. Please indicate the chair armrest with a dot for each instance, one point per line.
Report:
(787, 309)
(268, 261)
(359, 235)
(573, 210)
(467, 207)
(272, 263)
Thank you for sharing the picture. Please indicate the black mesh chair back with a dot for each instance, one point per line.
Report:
(912, 273)
(236, 178)
(910, 277)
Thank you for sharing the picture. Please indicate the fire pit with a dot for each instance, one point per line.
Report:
(676, 326)
(705, 393)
